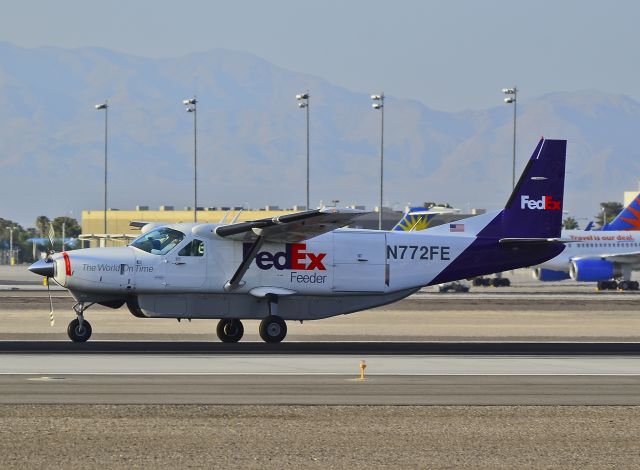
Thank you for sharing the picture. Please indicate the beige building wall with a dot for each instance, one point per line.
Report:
(630, 195)
(118, 221)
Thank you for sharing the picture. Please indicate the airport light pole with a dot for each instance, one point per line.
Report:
(511, 97)
(378, 103)
(11, 258)
(303, 103)
(191, 108)
(105, 106)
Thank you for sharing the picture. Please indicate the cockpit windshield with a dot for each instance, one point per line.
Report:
(159, 241)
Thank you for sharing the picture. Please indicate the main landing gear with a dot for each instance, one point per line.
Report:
(622, 285)
(494, 282)
(230, 330)
(79, 330)
(272, 329)
(628, 285)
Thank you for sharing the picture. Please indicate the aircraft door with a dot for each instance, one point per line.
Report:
(359, 262)
(186, 266)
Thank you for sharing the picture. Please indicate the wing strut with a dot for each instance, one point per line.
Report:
(236, 279)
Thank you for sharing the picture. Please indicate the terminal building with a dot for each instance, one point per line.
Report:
(630, 196)
(118, 220)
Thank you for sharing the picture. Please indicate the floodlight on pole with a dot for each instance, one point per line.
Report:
(378, 103)
(512, 98)
(105, 106)
(190, 103)
(303, 103)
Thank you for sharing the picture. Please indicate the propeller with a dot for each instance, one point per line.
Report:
(51, 235)
(52, 320)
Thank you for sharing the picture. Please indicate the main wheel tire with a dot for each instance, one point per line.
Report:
(273, 329)
(79, 334)
(628, 285)
(230, 330)
(609, 285)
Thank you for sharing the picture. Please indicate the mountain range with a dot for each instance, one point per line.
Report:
(251, 138)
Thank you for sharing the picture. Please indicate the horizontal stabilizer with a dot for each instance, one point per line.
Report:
(533, 241)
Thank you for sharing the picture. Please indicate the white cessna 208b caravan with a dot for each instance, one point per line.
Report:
(304, 266)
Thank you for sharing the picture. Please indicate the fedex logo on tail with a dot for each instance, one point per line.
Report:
(295, 256)
(546, 203)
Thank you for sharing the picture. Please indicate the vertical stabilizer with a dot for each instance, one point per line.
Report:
(628, 219)
(534, 209)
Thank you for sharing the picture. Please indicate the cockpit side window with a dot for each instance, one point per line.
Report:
(159, 241)
(194, 248)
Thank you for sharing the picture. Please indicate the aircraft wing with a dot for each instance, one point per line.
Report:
(291, 227)
(632, 257)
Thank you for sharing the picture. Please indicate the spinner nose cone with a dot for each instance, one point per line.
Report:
(43, 268)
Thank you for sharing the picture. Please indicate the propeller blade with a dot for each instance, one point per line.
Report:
(52, 235)
(52, 320)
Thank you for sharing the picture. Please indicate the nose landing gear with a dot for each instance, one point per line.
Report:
(79, 330)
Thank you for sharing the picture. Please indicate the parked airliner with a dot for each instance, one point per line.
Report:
(607, 256)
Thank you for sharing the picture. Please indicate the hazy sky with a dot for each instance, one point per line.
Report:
(451, 55)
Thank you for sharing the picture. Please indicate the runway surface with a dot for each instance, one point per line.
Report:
(320, 373)
(304, 364)
(320, 390)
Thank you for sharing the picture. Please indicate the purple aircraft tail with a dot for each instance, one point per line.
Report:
(526, 231)
(534, 209)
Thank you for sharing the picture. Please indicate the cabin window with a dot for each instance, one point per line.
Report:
(193, 248)
(159, 241)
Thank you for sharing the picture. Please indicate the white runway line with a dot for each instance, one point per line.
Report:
(140, 364)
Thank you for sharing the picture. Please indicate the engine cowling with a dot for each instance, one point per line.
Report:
(591, 270)
(546, 275)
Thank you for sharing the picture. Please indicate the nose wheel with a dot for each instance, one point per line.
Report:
(230, 330)
(79, 332)
(273, 329)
